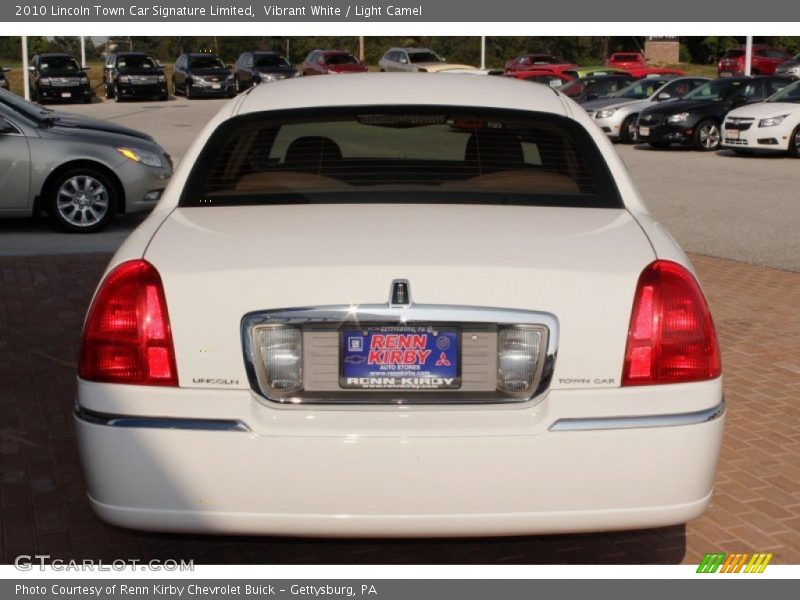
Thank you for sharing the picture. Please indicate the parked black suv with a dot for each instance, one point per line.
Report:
(134, 75)
(58, 77)
(202, 74)
(252, 68)
(696, 119)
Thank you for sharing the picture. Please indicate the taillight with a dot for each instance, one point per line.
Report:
(127, 336)
(671, 338)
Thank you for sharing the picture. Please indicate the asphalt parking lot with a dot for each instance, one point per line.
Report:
(728, 210)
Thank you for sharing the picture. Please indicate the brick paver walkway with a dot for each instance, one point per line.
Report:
(756, 506)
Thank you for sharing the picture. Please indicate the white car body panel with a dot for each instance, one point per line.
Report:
(584, 455)
(748, 139)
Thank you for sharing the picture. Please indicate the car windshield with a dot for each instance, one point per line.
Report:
(271, 60)
(23, 107)
(639, 90)
(790, 93)
(714, 91)
(58, 64)
(341, 59)
(401, 155)
(424, 57)
(134, 62)
(733, 54)
(545, 59)
(206, 62)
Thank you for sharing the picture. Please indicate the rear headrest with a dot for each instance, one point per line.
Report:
(312, 152)
(494, 151)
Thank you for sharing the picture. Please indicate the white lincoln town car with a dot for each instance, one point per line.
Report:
(399, 305)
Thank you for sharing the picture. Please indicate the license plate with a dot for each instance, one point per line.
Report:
(644, 131)
(66, 94)
(400, 357)
(216, 86)
(732, 134)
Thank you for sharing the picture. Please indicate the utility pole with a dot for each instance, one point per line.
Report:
(483, 52)
(748, 55)
(83, 51)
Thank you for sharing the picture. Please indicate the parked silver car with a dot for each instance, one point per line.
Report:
(415, 60)
(617, 114)
(79, 170)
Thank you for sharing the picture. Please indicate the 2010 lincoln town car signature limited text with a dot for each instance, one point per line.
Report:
(399, 305)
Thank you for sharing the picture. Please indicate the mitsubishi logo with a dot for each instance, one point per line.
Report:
(400, 294)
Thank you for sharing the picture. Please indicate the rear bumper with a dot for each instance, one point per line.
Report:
(438, 473)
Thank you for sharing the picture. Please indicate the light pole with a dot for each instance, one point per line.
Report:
(748, 54)
(83, 51)
(26, 90)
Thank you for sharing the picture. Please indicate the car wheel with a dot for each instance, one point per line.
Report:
(109, 92)
(82, 200)
(628, 132)
(39, 97)
(707, 136)
(164, 97)
(117, 96)
(794, 143)
(87, 100)
(189, 94)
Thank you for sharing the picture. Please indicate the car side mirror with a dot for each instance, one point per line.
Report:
(663, 96)
(86, 69)
(109, 67)
(32, 69)
(160, 65)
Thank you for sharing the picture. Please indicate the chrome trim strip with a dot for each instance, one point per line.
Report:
(676, 420)
(337, 315)
(97, 418)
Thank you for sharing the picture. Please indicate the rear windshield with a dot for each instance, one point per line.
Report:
(410, 155)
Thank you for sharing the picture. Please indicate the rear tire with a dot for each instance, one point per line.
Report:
(628, 133)
(109, 92)
(794, 143)
(117, 97)
(188, 91)
(707, 136)
(82, 200)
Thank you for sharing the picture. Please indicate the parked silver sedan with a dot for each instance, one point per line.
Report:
(617, 114)
(79, 170)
